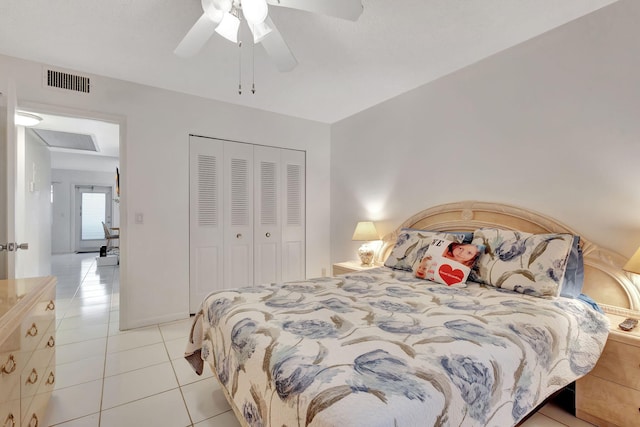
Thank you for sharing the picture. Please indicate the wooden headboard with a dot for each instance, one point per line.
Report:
(605, 281)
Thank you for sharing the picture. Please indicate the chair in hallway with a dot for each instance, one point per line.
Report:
(110, 237)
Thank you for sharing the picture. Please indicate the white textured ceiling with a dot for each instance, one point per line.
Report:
(344, 67)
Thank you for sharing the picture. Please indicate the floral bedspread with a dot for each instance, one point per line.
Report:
(382, 348)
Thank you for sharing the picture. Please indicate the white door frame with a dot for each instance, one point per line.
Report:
(8, 171)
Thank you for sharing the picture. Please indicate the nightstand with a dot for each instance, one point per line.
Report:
(610, 394)
(350, 267)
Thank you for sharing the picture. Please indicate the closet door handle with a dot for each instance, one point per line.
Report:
(268, 234)
(239, 236)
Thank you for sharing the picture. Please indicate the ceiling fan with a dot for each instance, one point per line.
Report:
(223, 17)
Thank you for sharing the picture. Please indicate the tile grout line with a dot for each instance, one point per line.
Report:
(175, 374)
(106, 346)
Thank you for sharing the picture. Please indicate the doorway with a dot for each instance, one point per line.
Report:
(93, 209)
(82, 151)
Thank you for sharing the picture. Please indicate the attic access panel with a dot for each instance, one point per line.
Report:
(68, 140)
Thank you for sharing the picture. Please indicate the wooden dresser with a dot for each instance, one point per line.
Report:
(610, 394)
(27, 349)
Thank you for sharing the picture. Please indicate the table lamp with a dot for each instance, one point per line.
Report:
(366, 232)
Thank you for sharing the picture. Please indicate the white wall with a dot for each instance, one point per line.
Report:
(551, 125)
(85, 162)
(155, 180)
(63, 233)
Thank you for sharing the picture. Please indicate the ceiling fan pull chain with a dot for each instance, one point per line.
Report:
(253, 69)
(239, 67)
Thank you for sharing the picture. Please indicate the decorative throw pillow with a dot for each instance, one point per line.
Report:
(412, 244)
(448, 262)
(532, 264)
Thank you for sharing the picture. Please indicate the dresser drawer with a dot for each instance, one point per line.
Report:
(36, 322)
(606, 403)
(37, 384)
(12, 362)
(34, 371)
(10, 377)
(10, 413)
(620, 363)
(27, 350)
(35, 413)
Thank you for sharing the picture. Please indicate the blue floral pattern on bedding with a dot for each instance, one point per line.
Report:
(533, 264)
(385, 348)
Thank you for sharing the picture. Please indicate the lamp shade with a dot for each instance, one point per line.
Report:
(633, 265)
(365, 231)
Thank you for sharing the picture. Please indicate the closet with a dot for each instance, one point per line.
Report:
(247, 216)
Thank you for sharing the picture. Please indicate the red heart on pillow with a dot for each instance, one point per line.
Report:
(449, 275)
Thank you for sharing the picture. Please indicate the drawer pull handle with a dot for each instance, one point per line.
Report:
(52, 342)
(32, 331)
(33, 422)
(51, 306)
(51, 379)
(10, 421)
(10, 365)
(33, 377)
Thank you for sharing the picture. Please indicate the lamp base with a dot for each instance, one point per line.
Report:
(366, 255)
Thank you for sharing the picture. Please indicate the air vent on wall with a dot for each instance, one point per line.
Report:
(66, 81)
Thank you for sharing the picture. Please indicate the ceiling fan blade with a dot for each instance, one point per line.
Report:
(197, 36)
(277, 49)
(345, 9)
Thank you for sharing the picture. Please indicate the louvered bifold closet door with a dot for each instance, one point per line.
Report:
(238, 211)
(293, 215)
(267, 224)
(206, 220)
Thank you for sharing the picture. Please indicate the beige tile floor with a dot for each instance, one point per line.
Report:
(106, 377)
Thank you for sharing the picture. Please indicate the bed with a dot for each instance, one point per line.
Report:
(384, 347)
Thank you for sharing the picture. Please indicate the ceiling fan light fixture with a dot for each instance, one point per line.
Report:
(223, 5)
(260, 31)
(228, 27)
(26, 119)
(255, 11)
(215, 15)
